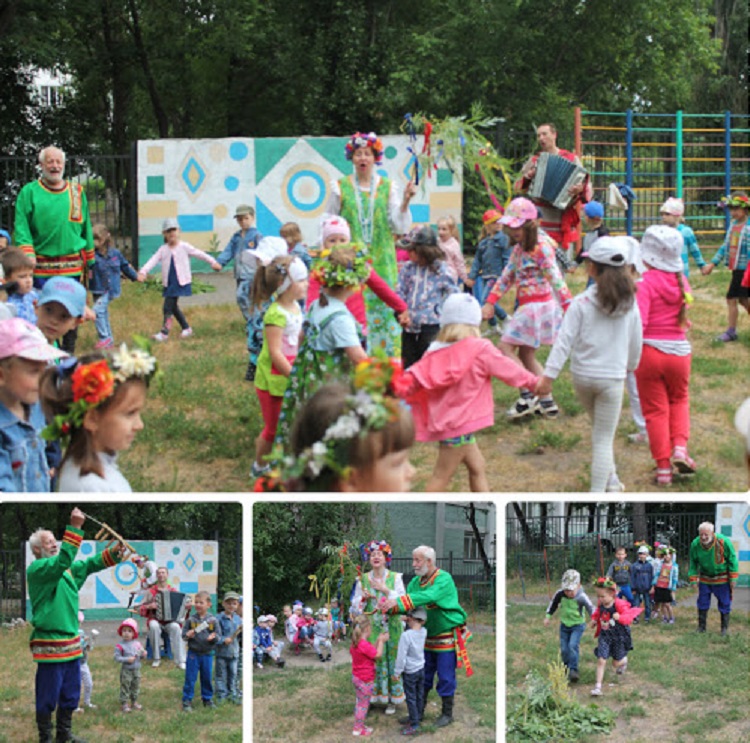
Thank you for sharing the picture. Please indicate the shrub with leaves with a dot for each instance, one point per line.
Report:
(549, 711)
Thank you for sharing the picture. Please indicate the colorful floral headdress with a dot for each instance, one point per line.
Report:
(368, 548)
(352, 274)
(371, 140)
(370, 408)
(95, 382)
(733, 200)
(604, 582)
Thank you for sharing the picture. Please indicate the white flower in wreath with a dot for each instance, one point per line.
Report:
(346, 427)
(136, 363)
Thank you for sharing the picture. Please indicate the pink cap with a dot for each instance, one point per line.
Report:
(22, 339)
(673, 206)
(130, 624)
(518, 212)
(335, 226)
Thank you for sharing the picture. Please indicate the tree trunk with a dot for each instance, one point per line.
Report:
(471, 515)
(527, 535)
(640, 525)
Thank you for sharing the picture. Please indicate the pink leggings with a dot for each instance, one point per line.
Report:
(363, 691)
(663, 381)
(270, 408)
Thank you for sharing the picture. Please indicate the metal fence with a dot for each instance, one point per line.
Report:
(545, 548)
(13, 575)
(110, 182)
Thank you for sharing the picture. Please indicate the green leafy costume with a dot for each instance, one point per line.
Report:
(383, 331)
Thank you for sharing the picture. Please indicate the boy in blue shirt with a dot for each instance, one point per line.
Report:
(246, 238)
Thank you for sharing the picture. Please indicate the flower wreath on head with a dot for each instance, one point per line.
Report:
(369, 547)
(604, 582)
(371, 140)
(733, 201)
(351, 275)
(95, 382)
(371, 407)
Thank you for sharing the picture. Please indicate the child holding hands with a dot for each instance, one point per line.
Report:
(572, 600)
(174, 256)
(611, 619)
(364, 655)
(410, 666)
(129, 653)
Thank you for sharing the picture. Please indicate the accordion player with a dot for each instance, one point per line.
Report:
(553, 179)
(171, 606)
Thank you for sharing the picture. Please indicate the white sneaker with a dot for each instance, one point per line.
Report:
(614, 485)
(160, 337)
(596, 691)
(186, 333)
(181, 666)
(390, 709)
(156, 664)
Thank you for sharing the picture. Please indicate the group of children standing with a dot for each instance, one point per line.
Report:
(622, 595)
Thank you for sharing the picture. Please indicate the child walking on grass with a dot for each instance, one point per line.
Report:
(129, 654)
(450, 391)
(94, 405)
(536, 322)
(601, 332)
(284, 282)
(663, 374)
(641, 580)
(665, 584)
(176, 276)
(364, 655)
(572, 601)
(611, 619)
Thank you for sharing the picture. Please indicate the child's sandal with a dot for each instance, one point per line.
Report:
(663, 476)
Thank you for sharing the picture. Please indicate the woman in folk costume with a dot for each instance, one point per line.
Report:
(369, 590)
(375, 211)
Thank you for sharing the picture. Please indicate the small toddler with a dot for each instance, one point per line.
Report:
(129, 653)
(18, 268)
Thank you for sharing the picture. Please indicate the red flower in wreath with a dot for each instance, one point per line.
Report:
(93, 382)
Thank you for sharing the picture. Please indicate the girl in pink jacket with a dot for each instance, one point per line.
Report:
(450, 391)
(663, 375)
(174, 257)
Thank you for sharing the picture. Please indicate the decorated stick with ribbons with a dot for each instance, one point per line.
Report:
(109, 535)
(411, 130)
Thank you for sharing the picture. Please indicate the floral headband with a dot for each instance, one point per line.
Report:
(370, 140)
(607, 583)
(645, 544)
(370, 408)
(734, 200)
(95, 382)
(664, 550)
(367, 549)
(353, 274)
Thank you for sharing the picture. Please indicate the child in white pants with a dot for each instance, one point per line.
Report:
(323, 631)
(602, 334)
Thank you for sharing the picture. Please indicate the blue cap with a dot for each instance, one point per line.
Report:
(70, 293)
(594, 210)
(6, 235)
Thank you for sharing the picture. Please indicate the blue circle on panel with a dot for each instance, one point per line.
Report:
(238, 151)
(170, 565)
(126, 574)
(86, 549)
(383, 173)
(301, 205)
(231, 183)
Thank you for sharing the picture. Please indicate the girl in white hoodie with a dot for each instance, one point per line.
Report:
(602, 334)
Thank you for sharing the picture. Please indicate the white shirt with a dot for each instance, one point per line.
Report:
(71, 480)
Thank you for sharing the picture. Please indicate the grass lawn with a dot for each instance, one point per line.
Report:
(314, 701)
(680, 686)
(201, 424)
(161, 721)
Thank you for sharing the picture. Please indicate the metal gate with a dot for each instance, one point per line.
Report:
(12, 583)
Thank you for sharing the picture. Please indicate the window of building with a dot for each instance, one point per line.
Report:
(471, 546)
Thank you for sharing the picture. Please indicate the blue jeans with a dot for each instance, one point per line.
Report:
(244, 286)
(226, 677)
(101, 323)
(487, 283)
(570, 640)
(625, 593)
(414, 691)
(195, 665)
(643, 596)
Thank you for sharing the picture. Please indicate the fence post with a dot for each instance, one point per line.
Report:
(629, 166)
(727, 162)
(678, 153)
(135, 248)
(577, 132)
